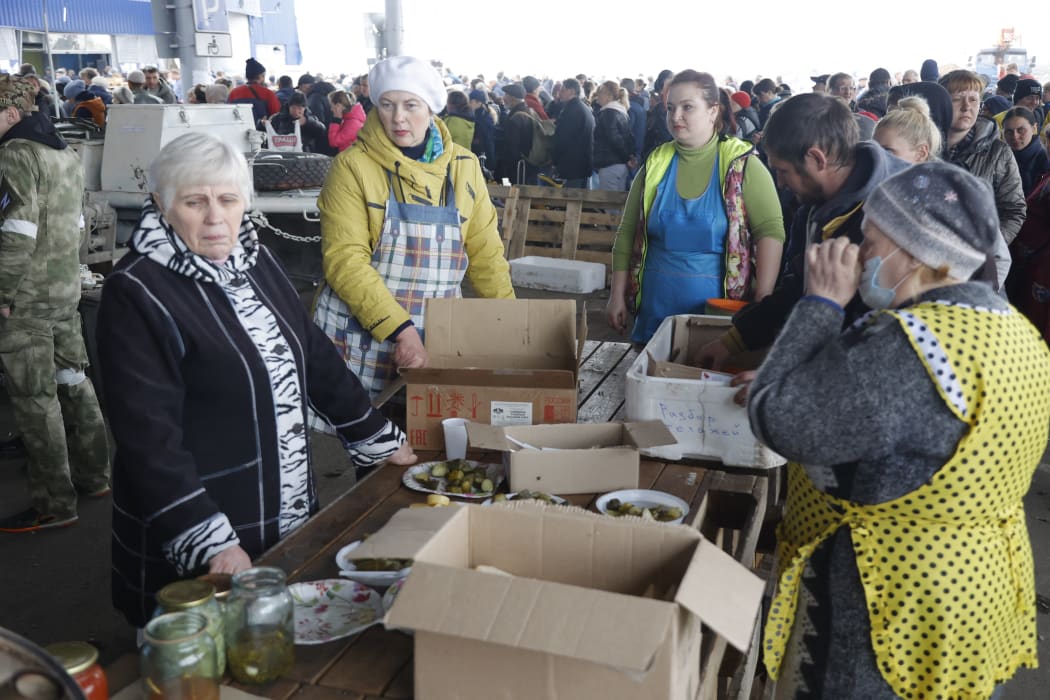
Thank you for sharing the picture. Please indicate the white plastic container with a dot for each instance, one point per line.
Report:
(557, 274)
(700, 414)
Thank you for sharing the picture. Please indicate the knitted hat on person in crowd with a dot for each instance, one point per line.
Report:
(930, 71)
(880, 77)
(1007, 84)
(306, 79)
(741, 98)
(939, 214)
(16, 91)
(73, 88)
(1026, 87)
(529, 83)
(996, 104)
(137, 77)
(408, 74)
(478, 96)
(514, 90)
(820, 79)
(253, 69)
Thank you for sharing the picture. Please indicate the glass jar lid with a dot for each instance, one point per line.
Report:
(74, 656)
(183, 595)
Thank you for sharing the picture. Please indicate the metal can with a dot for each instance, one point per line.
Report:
(80, 660)
(199, 597)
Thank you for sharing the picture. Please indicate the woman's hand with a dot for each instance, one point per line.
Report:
(616, 313)
(714, 355)
(404, 456)
(231, 560)
(833, 270)
(409, 352)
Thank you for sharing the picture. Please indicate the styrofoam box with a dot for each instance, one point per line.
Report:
(701, 415)
(557, 274)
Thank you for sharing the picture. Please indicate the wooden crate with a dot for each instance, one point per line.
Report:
(555, 222)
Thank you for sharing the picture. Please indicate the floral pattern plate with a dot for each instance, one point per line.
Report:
(333, 609)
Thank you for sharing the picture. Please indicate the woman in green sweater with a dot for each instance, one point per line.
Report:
(702, 219)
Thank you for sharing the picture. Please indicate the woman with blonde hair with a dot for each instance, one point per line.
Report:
(347, 119)
(908, 132)
(614, 146)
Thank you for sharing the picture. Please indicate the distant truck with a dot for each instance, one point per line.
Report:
(991, 63)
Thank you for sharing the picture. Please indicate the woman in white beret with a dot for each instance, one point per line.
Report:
(405, 214)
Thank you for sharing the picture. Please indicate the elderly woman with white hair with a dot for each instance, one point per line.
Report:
(906, 569)
(405, 215)
(209, 361)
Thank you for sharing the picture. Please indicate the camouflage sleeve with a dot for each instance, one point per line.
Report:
(19, 218)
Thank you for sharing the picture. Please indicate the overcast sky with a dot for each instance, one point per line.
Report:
(565, 37)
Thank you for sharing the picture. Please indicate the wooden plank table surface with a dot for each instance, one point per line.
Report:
(377, 663)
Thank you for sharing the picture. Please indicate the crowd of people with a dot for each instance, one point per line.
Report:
(872, 240)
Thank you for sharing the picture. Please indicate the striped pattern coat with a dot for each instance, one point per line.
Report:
(211, 446)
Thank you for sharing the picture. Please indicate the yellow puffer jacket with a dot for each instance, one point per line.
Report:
(353, 206)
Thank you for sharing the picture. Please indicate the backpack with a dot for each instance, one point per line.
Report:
(539, 154)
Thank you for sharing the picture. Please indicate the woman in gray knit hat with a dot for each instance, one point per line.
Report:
(905, 566)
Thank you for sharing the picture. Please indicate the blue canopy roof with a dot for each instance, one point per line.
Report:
(79, 16)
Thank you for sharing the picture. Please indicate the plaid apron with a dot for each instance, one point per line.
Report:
(420, 256)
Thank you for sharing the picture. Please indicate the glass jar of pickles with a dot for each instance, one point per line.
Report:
(196, 596)
(260, 631)
(178, 658)
(80, 660)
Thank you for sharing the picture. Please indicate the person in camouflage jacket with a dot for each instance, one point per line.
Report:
(41, 347)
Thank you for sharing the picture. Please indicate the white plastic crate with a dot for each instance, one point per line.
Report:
(557, 274)
(700, 414)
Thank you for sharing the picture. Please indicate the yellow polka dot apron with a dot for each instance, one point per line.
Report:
(947, 568)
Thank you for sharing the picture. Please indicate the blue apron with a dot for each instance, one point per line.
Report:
(684, 261)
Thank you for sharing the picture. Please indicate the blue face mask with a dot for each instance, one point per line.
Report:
(871, 292)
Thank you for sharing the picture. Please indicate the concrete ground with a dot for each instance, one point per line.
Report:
(54, 585)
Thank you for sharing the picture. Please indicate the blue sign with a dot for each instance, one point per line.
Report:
(210, 16)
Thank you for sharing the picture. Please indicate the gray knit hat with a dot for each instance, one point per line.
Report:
(939, 214)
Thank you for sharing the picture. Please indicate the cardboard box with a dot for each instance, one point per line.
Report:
(700, 414)
(498, 361)
(586, 457)
(577, 605)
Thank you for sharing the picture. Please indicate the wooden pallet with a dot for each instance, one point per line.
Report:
(571, 224)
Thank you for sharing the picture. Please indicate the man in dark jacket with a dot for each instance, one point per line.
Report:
(832, 181)
(517, 139)
(656, 131)
(284, 89)
(317, 102)
(635, 114)
(574, 137)
(974, 144)
(484, 143)
(313, 132)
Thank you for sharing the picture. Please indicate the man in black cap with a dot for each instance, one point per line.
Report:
(255, 92)
(820, 82)
(517, 139)
(1029, 94)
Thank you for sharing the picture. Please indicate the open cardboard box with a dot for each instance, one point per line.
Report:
(571, 458)
(662, 383)
(498, 361)
(568, 604)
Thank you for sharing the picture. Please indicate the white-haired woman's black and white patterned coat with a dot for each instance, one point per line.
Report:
(208, 371)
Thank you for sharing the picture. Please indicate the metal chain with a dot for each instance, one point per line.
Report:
(260, 220)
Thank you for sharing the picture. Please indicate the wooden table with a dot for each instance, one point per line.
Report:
(727, 508)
